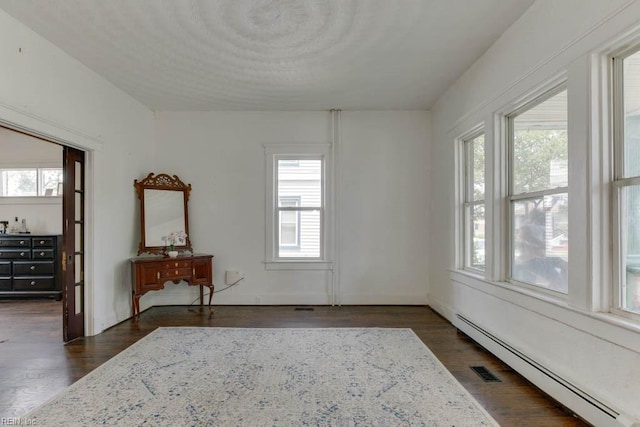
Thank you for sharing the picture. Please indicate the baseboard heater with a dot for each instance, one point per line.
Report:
(605, 409)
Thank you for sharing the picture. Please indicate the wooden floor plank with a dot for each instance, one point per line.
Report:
(35, 364)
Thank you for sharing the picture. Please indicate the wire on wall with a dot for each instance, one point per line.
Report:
(215, 292)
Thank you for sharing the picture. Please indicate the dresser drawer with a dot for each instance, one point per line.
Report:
(15, 253)
(168, 265)
(175, 273)
(42, 242)
(30, 268)
(5, 268)
(34, 283)
(5, 284)
(19, 242)
(42, 253)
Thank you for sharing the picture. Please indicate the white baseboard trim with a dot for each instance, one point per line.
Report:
(582, 402)
(442, 309)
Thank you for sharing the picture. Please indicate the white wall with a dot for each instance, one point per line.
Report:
(597, 352)
(43, 214)
(384, 202)
(47, 92)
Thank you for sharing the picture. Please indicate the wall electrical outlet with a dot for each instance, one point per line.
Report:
(232, 276)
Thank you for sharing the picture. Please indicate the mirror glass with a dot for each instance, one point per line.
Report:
(164, 214)
(163, 211)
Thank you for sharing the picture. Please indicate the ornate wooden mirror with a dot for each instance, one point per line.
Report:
(163, 210)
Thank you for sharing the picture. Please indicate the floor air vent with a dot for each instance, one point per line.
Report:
(303, 309)
(485, 374)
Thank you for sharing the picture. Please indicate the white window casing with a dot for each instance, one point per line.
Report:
(313, 249)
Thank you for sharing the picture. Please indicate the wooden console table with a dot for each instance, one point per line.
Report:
(151, 273)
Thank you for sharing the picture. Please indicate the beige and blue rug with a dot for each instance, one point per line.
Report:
(268, 377)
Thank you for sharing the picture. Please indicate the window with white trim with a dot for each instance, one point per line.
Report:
(626, 184)
(473, 215)
(298, 217)
(537, 136)
(30, 182)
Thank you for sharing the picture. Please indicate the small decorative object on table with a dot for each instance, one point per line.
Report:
(172, 240)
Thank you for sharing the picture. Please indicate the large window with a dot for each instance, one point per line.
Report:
(30, 182)
(539, 192)
(626, 111)
(297, 203)
(474, 196)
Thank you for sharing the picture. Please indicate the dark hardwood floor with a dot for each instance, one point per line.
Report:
(35, 364)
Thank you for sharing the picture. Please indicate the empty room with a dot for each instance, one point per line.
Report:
(320, 212)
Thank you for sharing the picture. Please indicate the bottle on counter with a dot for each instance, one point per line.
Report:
(15, 226)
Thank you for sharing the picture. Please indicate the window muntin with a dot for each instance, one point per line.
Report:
(474, 197)
(30, 182)
(626, 110)
(539, 193)
(300, 223)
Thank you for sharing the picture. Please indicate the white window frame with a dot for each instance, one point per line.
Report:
(273, 153)
(619, 182)
(467, 205)
(547, 93)
(39, 170)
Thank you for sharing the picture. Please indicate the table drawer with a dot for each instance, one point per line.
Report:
(175, 273)
(43, 242)
(169, 265)
(15, 253)
(5, 268)
(5, 284)
(30, 268)
(20, 242)
(33, 283)
(43, 253)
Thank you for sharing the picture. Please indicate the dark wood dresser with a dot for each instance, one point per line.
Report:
(150, 273)
(30, 266)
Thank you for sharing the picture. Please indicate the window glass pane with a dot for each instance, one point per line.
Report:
(540, 155)
(18, 183)
(301, 181)
(541, 245)
(630, 232)
(477, 249)
(79, 299)
(50, 180)
(477, 153)
(309, 236)
(78, 207)
(631, 85)
(288, 228)
(78, 176)
(288, 234)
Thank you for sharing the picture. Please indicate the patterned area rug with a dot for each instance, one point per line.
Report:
(268, 377)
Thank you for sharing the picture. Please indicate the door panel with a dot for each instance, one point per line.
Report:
(73, 246)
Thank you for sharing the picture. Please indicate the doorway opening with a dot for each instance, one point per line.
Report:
(42, 244)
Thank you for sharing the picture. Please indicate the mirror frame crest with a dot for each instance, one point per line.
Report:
(161, 181)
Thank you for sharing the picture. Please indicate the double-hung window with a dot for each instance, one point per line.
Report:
(626, 184)
(474, 197)
(537, 137)
(298, 217)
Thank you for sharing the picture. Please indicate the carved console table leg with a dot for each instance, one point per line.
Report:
(210, 297)
(136, 307)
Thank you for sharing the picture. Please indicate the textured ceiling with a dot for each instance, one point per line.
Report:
(274, 54)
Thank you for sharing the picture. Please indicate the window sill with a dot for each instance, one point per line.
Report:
(31, 200)
(298, 265)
